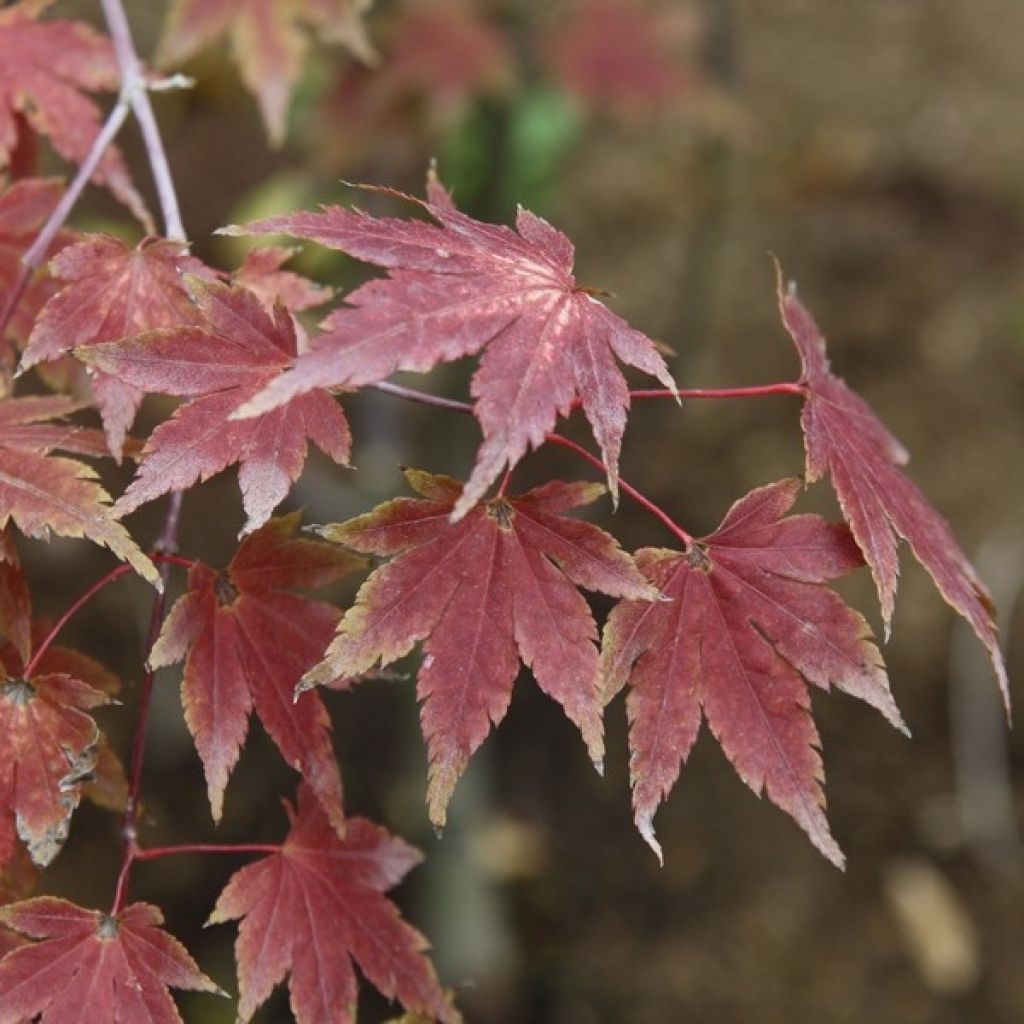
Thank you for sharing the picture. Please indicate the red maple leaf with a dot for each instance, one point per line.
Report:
(218, 366)
(318, 905)
(269, 41)
(616, 53)
(248, 642)
(845, 438)
(110, 292)
(453, 290)
(48, 67)
(24, 209)
(92, 968)
(43, 492)
(747, 626)
(497, 587)
(261, 272)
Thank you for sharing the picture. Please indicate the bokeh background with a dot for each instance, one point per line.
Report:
(877, 149)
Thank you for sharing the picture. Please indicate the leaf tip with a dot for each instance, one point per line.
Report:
(645, 826)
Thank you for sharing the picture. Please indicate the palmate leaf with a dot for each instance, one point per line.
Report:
(482, 594)
(48, 66)
(316, 906)
(747, 626)
(45, 493)
(454, 289)
(217, 366)
(269, 40)
(109, 291)
(247, 641)
(91, 968)
(845, 438)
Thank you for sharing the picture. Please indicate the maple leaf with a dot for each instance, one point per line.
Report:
(268, 39)
(497, 587)
(48, 67)
(613, 53)
(96, 767)
(111, 291)
(453, 290)
(49, 749)
(247, 642)
(844, 437)
(93, 968)
(218, 365)
(318, 905)
(43, 492)
(747, 627)
(261, 272)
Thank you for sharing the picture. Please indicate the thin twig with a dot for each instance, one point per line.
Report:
(157, 852)
(412, 395)
(35, 255)
(136, 89)
(166, 544)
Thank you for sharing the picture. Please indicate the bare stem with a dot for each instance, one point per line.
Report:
(642, 500)
(134, 86)
(166, 545)
(158, 852)
(37, 657)
(754, 391)
(465, 408)
(35, 255)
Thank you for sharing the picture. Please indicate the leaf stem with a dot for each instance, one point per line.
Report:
(157, 852)
(753, 391)
(466, 409)
(135, 88)
(642, 500)
(35, 255)
(114, 574)
(166, 545)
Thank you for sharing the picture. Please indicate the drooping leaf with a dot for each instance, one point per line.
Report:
(111, 291)
(104, 783)
(48, 67)
(247, 642)
(45, 493)
(454, 289)
(317, 906)
(218, 366)
(747, 627)
(49, 748)
(483, 594)
(269, 40)
(845, 438)
(15, 600)
(91, 968)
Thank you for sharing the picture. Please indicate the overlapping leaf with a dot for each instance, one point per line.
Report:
(218, 366)
(747, 627)
(48, 66)
(110, 292)
(247, 642)
(845, 438)
(91, 968)
(483, 594)
(454, 289)
(269, 40)
(45, 493)
(317, 906)
(262, 272)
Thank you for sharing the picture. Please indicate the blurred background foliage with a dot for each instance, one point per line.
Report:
(875, 148)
